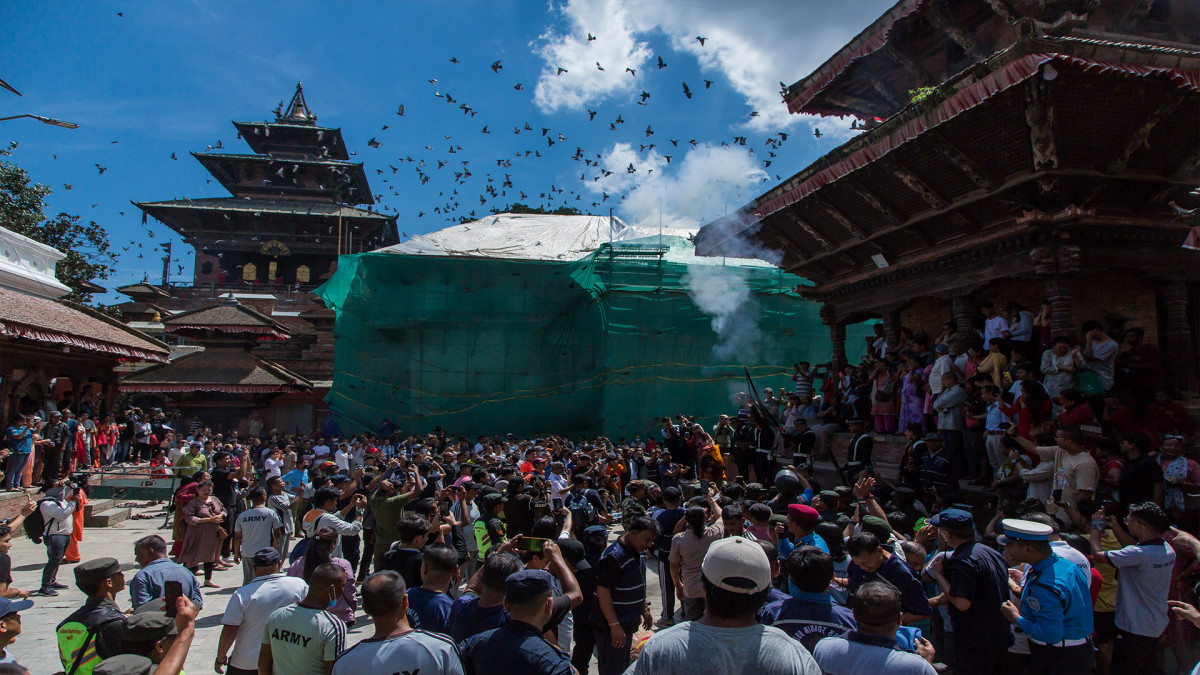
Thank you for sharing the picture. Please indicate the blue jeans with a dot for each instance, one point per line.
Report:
(16, 465)
(121, 451)
(56, 548)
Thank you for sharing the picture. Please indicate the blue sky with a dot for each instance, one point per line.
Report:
(168, 77)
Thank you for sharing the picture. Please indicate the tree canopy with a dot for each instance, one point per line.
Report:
(23, 210)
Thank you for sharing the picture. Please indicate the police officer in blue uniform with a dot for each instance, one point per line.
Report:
(517, 647)
(1056, 605)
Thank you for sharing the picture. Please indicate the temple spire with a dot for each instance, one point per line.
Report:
(297, 110)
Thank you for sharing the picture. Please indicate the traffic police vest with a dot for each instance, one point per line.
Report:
(79, 637)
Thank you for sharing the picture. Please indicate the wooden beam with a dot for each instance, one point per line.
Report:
(874, 201)
(912, 182)
(954, 31)
(843, 220)
(961, 161)
(882, 89)
(789, 213)
(1000, 7)
(1138, 139)
(903, 60)
(851, 102)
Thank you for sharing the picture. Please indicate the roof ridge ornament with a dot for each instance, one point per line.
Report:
(297, 110)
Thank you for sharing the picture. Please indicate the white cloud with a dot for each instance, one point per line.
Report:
(752, 45)
(584, 84)
(699, 184)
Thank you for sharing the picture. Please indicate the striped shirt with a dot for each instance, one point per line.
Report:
(302, 639)
(623, 572)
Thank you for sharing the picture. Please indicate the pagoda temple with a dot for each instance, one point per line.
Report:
(296, 204)
(1012, 150)
(221, 382)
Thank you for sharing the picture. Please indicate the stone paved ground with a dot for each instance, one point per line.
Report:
(36, 648)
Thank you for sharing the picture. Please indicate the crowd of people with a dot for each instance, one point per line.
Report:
(1038, 519)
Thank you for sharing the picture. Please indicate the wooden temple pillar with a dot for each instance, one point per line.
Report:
(891, 326)
(963, 310)
(1054, 262)
(1179, 356)
(837, 338)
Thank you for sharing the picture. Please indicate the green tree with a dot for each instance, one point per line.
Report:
(23, 210)
(518, 207)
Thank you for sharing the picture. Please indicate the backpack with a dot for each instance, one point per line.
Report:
(35, 523)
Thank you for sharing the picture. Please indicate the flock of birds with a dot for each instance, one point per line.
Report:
(473, 192)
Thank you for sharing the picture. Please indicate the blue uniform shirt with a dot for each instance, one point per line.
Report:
(810, 539)
(1056, 603)
(808, 618)
(516, 648)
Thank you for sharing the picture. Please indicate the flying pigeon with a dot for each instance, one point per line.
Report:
(496, 67)
(661, 64)
(701, 40)
(686, 92)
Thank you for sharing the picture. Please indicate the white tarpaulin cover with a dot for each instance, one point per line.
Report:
(528, 237)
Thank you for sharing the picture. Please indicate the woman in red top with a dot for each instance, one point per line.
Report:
(1075, 409)
(1032, 409)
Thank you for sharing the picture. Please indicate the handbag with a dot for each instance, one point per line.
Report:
(1088, 383)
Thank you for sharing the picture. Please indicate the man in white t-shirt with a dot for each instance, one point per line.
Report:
(994, 325)
(304, 637)
(320, 451)
(342, 458)
(256, 528)
(1144, 569)
(395, 646)
(248, 610)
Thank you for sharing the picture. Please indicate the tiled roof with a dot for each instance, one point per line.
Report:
(43, 320)
(225, 370)
(227, 317)
(287, 207)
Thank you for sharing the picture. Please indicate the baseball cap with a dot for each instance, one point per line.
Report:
(593, 530)
(956, 518)
(265, 557)
(732, 562)
(8, 606)
(527, 585)
(97, 570)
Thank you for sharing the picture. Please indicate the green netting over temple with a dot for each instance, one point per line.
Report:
(601, 345)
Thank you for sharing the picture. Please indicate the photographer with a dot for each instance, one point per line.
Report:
(57, 509)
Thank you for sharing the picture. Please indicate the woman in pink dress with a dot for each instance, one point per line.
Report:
(202, 543)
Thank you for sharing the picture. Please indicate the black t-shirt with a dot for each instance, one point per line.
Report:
(518, 513)
(5, 569)
(1138, 479)
(224, 488)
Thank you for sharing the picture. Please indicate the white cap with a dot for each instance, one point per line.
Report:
(737, 557)
(1023, 530)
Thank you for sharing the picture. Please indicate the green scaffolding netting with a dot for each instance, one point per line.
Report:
(603, 345)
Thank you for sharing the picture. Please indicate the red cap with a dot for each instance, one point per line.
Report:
(804, 513)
